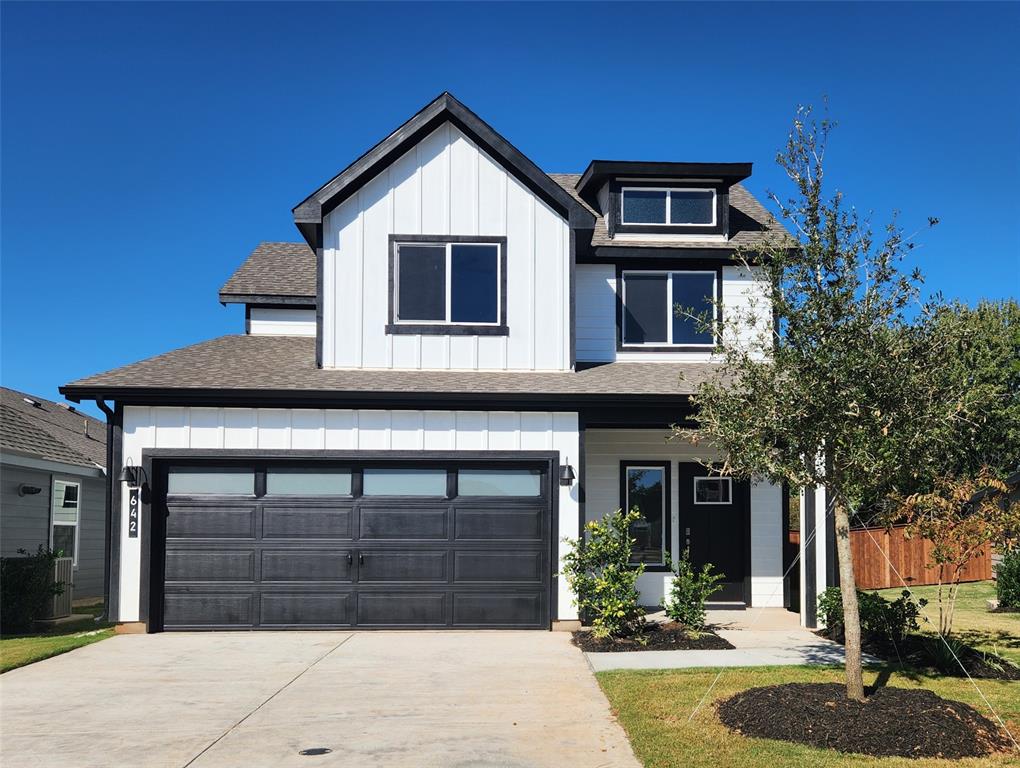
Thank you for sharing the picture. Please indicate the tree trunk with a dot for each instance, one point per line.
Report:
(848, 591)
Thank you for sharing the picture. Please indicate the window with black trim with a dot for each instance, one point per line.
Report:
(668, 308)
(65, 507)
(448, 285)
(645, 487)
(668, 206)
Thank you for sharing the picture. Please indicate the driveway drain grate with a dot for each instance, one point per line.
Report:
(315, 751)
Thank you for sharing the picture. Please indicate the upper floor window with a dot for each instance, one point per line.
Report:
(448, 285)
(667, 206)
(668, 308)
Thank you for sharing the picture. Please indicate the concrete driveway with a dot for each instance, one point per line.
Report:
(514, 699)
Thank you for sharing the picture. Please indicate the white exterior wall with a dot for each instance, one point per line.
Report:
(272, 321)
(743, 297)
(446, 185)
(821, 534)
(606, 448)
(287, 428)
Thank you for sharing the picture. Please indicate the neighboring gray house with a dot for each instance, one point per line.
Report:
(53, 484)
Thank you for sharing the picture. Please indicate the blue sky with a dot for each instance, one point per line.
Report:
(148, 147)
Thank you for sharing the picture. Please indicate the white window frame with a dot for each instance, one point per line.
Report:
(729, 488)
(77, 516)
(667, 222)
(398, 320)
(668, 273)
(665, 502)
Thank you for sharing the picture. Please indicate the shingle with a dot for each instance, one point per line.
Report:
(287, 363)
(274, 269)
(50, 431)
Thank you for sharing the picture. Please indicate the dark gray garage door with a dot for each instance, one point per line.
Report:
(324, 546)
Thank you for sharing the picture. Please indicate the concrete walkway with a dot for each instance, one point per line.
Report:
(760, 636)
(247, 700)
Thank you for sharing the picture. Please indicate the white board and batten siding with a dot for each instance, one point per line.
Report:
(605, 449)
(283, 429)
(743, 297)
(445, 185)
(281, 321)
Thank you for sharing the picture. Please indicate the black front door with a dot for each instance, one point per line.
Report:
(715, 526)
(378, 545)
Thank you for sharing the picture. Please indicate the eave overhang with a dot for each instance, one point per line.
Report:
(600, 171)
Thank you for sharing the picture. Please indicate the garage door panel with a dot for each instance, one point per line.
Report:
(398, 523)
(402, 565)
(498, 565)
(301, 609)
(210, 522)
(307, 522)
(381, 609)
(496, 523)
(198, 609)
(210, 565)
(306, 565)
(486, 608)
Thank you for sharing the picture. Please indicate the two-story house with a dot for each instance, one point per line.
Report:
(464, 360)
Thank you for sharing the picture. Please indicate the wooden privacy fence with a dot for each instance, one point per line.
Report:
(910, 557)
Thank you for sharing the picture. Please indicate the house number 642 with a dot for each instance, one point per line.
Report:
(133, 513)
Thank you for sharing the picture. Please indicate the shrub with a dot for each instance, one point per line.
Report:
(1007, 580)
(944, 652)
(26, 584)
(880, 618)
(602, 578)
(688, 592)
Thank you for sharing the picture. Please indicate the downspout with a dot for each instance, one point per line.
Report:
(108, 538)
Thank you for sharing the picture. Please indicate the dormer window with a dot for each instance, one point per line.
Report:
(668, 206)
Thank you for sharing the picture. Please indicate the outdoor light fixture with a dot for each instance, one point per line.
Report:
(28, 490)
(566, 474)
(133, 476)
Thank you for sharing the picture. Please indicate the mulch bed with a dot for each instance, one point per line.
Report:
(654, 637)
(892, 722)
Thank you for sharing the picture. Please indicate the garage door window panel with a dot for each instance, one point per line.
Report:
(404, 482)
(499, 482)
(198, 481)
(301, 481)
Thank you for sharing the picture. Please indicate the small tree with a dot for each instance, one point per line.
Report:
(602, 577)
(843, 382)
(960, 517)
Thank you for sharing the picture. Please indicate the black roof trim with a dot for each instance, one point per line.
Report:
(309, 213)
(599, 171)
(265, 299)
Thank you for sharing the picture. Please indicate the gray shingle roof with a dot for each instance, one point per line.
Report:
(748, 222)
(287, 363)
(50, 431)
(273, 269)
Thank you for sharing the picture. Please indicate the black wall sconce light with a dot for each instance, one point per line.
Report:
(28, 490)
(134, 476)
(567, 474)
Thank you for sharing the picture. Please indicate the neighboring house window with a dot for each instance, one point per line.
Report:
(658, 308)
(713, 490)
(448, 285)
(65, 516)
(646, 489)
(668, 207)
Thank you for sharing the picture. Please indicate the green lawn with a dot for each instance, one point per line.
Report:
(653, 707)
(973, 622)
(19, 650)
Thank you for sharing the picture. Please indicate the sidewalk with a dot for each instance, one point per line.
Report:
(760, 636)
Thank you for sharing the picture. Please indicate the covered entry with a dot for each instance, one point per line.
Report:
(337, 542)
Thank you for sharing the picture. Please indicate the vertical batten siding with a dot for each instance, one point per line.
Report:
(606, 448)
(283, 429)
(745, 297)
(596, 312)
(446, 185)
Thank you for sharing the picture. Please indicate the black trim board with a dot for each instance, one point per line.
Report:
(809, 586)
(600, 171)
(154, 460)
(267, 300)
